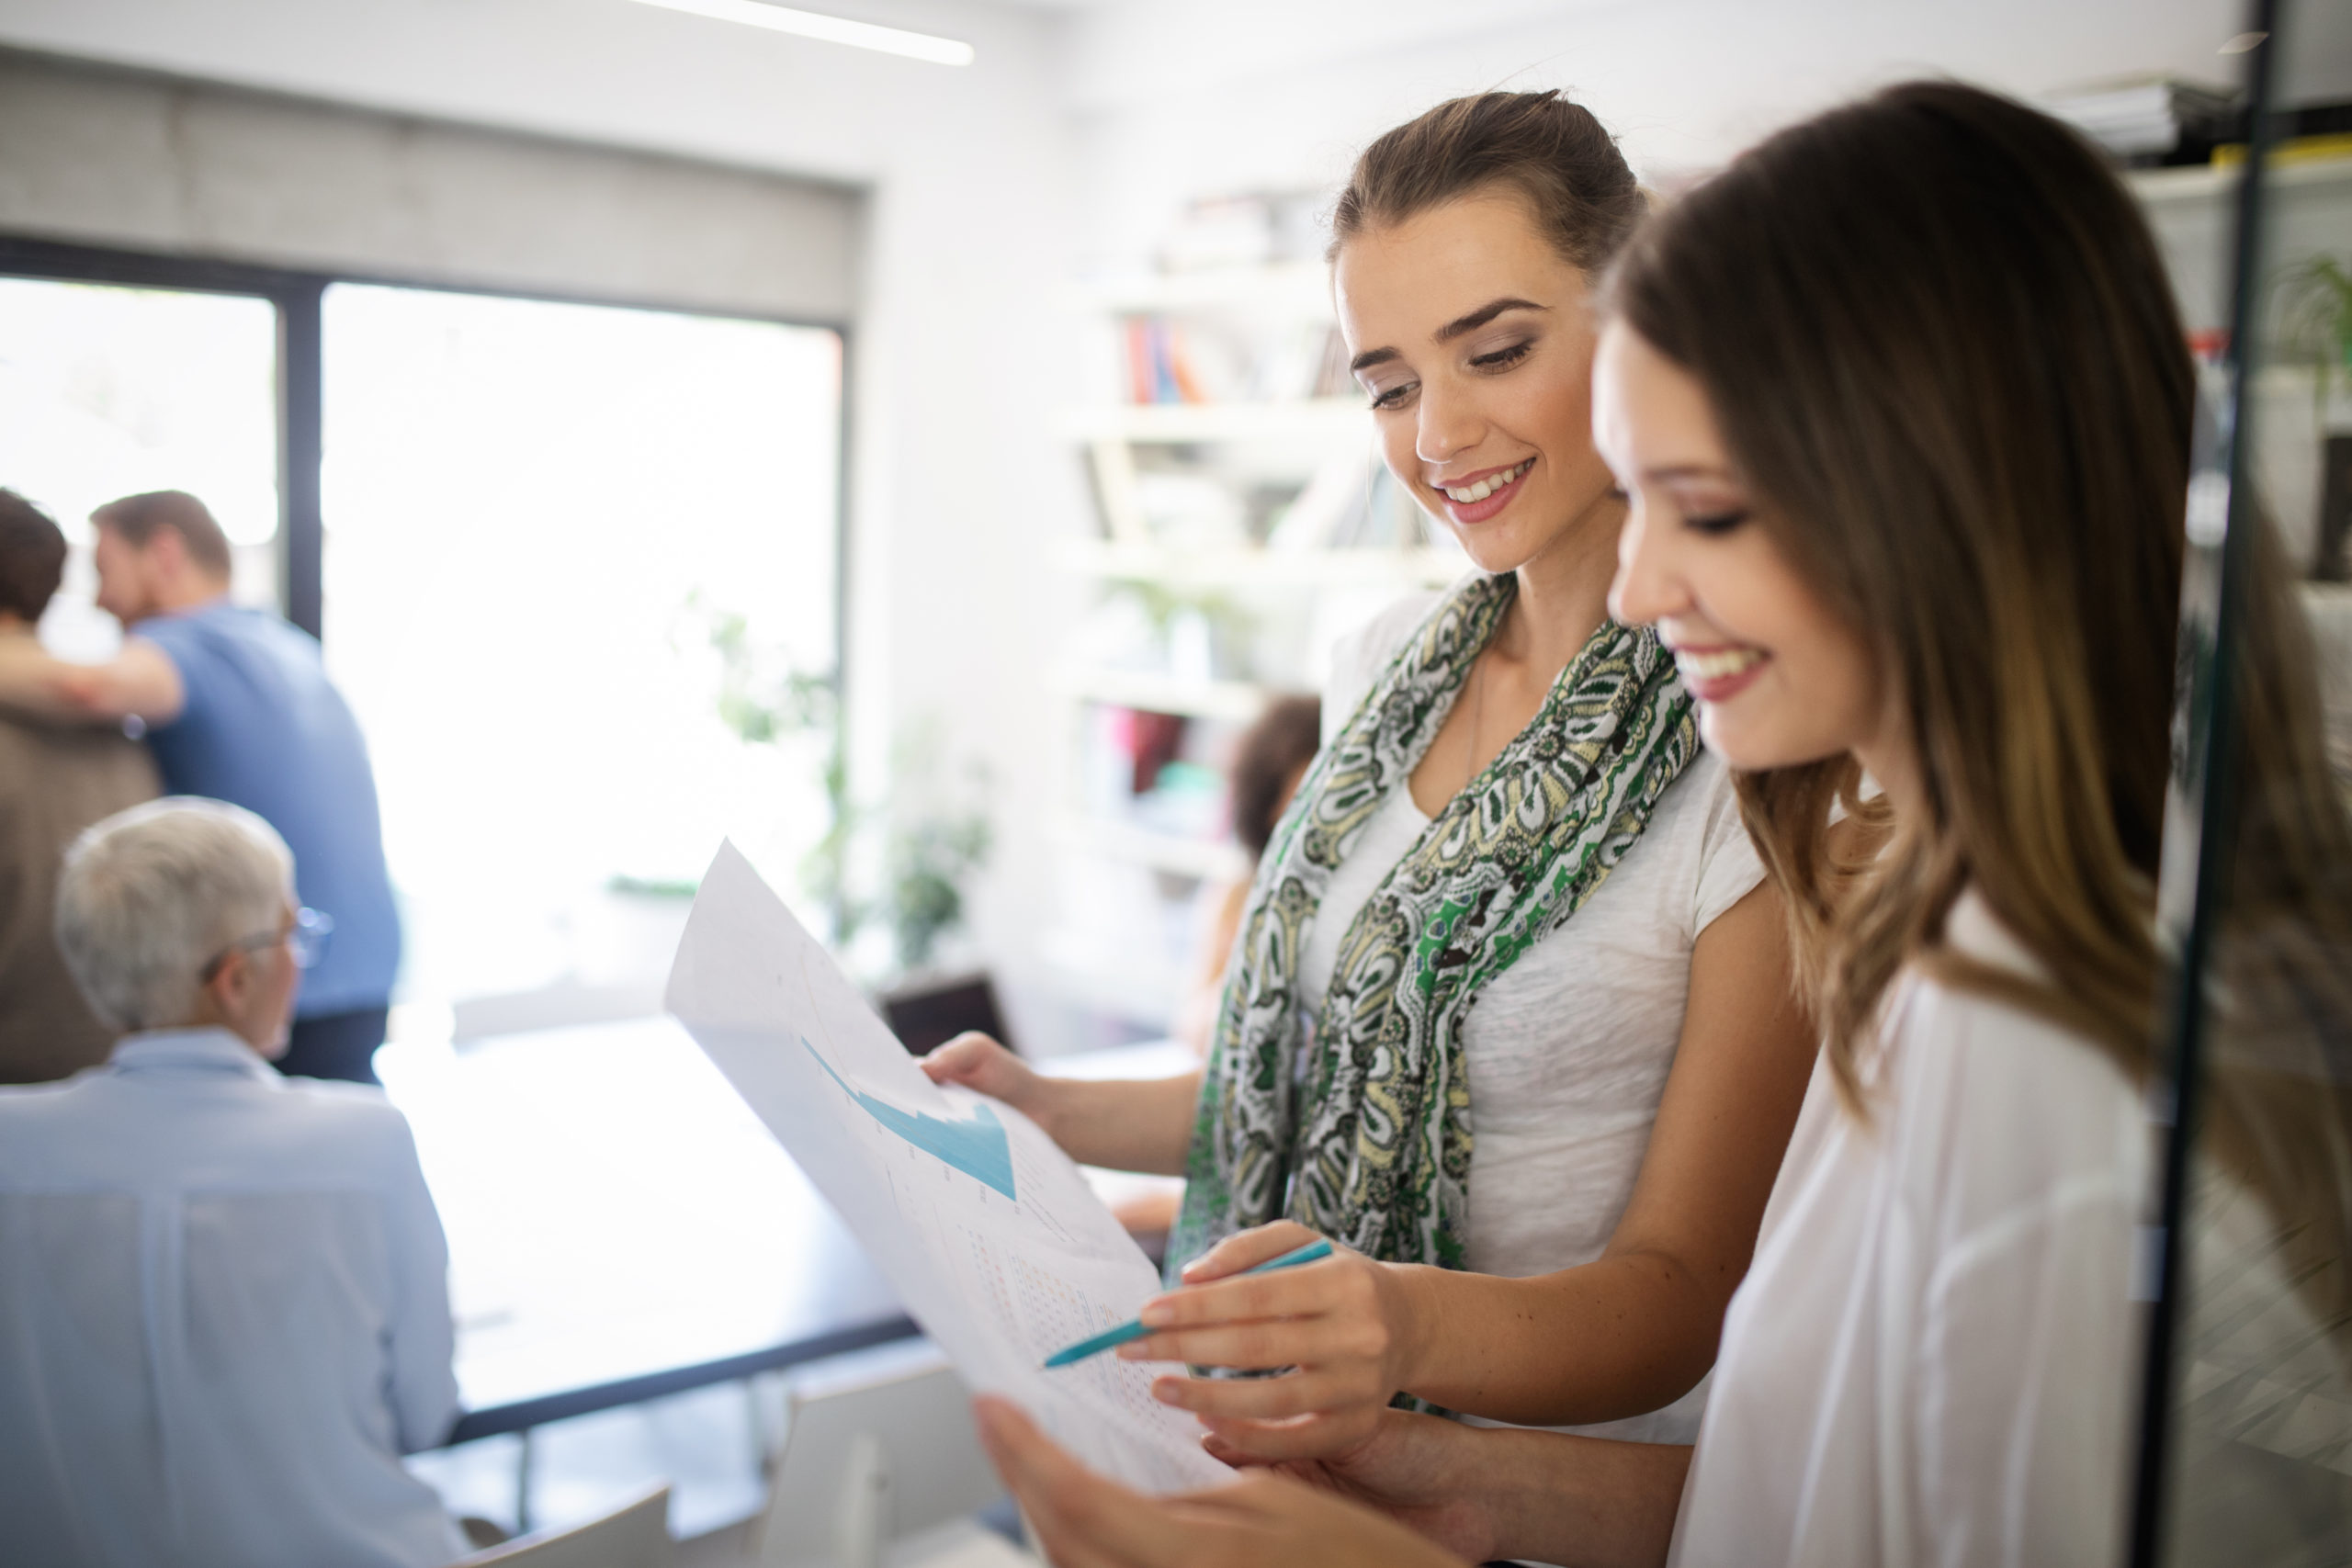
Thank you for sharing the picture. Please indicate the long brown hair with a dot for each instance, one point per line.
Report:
(1941, 347)
(1551, 152)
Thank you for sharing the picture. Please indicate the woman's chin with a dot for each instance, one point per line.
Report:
(1494, 553)
(1754, 747)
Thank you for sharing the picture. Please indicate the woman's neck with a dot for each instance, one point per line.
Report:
(1564, 591)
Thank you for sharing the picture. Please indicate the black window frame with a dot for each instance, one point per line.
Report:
(298, 296)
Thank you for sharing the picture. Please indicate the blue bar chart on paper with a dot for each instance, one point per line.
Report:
(975, 1145)
(988, 1233)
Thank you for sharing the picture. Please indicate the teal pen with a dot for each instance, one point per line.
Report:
(1134, 1330)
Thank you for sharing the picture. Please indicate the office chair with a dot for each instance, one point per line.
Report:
(634, 1535)
(883, 1467)
(929, 1016)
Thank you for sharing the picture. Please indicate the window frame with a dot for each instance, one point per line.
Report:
(299, 295)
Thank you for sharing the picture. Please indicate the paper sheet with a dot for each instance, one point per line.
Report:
(987, 1231)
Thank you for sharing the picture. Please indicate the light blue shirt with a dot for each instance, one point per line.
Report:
(263, 727)
(224, 1315)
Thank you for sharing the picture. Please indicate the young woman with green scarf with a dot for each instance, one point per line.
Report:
(1510, 1014)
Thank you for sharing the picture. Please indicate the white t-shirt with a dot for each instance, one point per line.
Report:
(1569, 1049)
(1932, 1357)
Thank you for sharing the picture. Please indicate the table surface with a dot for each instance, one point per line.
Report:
(621, 1226)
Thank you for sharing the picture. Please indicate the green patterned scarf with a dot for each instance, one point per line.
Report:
(1368, 1141)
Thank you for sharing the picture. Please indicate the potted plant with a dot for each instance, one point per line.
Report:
(2315, 330)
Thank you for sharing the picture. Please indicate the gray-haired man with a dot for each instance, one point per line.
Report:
(224, 1308)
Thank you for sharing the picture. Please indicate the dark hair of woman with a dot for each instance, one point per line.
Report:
(32, 556)
(1275, 748)
(1941, 344)
(1553, 153)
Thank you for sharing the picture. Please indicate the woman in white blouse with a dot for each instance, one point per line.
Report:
(1509, 1015)
(1902, 403)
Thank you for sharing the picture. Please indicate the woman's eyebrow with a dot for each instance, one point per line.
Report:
(1448, 332)
(1481, 316)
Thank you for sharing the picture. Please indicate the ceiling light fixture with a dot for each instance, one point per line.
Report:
(828, 29)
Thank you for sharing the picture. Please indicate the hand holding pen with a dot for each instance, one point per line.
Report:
(1349, 1329)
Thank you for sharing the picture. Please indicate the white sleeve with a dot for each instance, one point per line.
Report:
(1729, 867)
(2024, 1393)
(424, 1339)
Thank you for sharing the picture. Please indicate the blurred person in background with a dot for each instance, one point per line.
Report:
(224, 1308)
(237, 706)
(54, 782)
(1271, 758)
(1267, 765)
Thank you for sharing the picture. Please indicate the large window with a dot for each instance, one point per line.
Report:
(107, 391)
(574, 556)
(575, 566)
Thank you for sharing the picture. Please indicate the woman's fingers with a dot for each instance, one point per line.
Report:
(1342, 1287)
(1305, 1392)
(1085, 1520)
(1247, 1250)
(1328, 1339)
(1261, 1520)
(977, 1062)
(1249, 1443)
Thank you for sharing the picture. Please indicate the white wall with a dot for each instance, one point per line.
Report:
(954, 477)
(1178, 102)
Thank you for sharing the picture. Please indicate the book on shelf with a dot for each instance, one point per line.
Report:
(1182, 362)
(1159, 364)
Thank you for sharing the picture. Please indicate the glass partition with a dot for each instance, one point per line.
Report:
(2248, 1422)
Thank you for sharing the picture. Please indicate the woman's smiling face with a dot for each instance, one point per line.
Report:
(1781, 678)
(1474, 338)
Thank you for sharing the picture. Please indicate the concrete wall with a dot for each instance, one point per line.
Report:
(113, 157)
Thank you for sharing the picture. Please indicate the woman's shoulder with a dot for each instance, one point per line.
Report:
(1695, 850)
(1358, 657)
(2001, 1108)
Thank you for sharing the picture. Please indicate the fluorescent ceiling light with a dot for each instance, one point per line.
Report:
(831, 29)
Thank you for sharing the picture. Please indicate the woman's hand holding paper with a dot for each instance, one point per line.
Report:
(1265, 1519)
(1143, 1124)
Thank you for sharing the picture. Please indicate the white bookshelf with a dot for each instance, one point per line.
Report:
(1247, 334)
(1189, 858)
(1294, 287)
(1142, 561)
(2193, 210)
(2212, 182)
(1319, 420)
(1238, 700)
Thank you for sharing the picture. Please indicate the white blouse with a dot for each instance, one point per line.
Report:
(1932, 1357)
(1569, 1049)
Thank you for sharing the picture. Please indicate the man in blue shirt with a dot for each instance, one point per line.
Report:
(237, 707)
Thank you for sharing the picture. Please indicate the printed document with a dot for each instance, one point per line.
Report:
(985, 1228)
